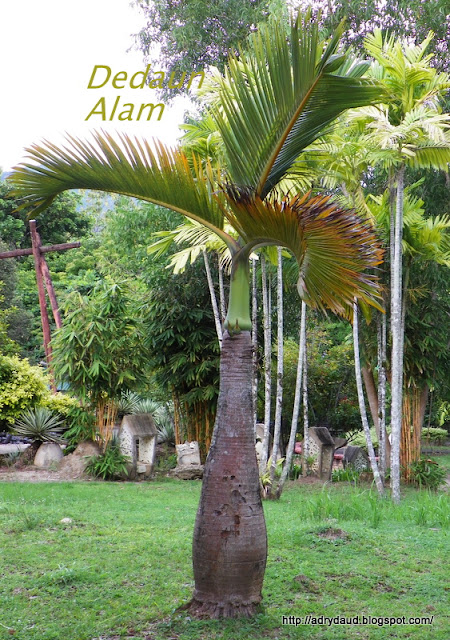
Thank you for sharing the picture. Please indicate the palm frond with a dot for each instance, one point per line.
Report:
(433, 157)
(129, 167)
(333, 246)
(198, 238)
(278, 98)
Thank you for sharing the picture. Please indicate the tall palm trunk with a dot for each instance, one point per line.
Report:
(305, 451)
(267, 364)
(280, 371)
(297, 401)
(362, 406)
(384, 446)
(255, 343)
(397, 341)
(212, 293)
(223, 304)
(230, 540)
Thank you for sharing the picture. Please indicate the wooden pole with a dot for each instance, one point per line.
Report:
(17, 253)
(51, 292)
(35, 241)
(43, 276)
(47, 279)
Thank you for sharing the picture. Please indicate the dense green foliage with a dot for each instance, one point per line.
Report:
(109, 465)
(184, 350)
(8, 346)
(434, 435)
(99, 350)
(80, 426)
(66, 220)
(427, 473)
(63, 221)
(15, 319)
(195, 33)
(181, 336)
(22, 386)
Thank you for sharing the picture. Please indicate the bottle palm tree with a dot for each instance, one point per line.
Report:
(275, 100)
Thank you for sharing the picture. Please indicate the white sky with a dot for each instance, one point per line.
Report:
(48, 49)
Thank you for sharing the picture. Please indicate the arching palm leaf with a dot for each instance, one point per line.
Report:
(333, 246)
(278, 98)
(197, 238)
(132, 168)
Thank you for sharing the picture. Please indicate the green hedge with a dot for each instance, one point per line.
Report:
(434, 435)
(22, 387)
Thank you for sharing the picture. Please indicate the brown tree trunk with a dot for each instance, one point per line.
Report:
(230, 540)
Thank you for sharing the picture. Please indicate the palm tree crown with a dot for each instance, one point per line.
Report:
(275, 100)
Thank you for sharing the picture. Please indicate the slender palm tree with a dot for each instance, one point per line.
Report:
(275, 100)
(410, 130)
(297, 401)
(425, 241)
(362, 404)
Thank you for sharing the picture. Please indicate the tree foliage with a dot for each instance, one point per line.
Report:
(62, 222)
(184, 350)
(99, 350)
(195, 34)
(22, 387)
(400, 18)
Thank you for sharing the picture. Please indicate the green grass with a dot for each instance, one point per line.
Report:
(122, 567)
(442, 458)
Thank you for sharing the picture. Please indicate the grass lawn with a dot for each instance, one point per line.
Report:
(122, 566)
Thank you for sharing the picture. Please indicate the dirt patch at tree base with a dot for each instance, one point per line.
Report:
(34, 474)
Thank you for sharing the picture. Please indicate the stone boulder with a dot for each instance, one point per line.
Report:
(191, 472)
(188, 454)
(356, 458)
(74, 464)
(48, 453)
(189, 466)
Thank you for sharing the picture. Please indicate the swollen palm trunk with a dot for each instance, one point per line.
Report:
(230, 540)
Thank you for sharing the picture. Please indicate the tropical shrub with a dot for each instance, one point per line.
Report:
(427, 473)
(434, 435)
(81, 425)
(166, 463)
(60, 403)
(295, 471)
(264, 478)
(128, 403)
(110, 465)
(22, 387)
(39, 425)
(166, 433)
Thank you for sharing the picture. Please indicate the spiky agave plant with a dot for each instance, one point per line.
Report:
(40, 425)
